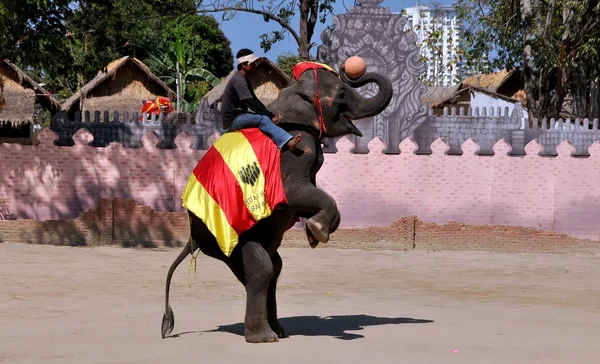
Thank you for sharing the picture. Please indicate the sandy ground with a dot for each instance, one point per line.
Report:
(105, 304)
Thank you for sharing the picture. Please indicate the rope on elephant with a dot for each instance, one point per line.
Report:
(192, 259)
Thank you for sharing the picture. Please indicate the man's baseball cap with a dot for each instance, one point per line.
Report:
(250, 58)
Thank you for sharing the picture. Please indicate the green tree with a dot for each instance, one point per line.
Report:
(286, 61)
(556, 44)
(179, 72)
(202, 36)
(64, 43)
(32, 31)
(102, 31)
(281, 12)
(98, 32)
(204, 46)
(2, 101)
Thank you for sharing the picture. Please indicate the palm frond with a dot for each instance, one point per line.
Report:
(204, 74)
(161, 61)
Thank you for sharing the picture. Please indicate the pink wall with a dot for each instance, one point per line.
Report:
(560, 194)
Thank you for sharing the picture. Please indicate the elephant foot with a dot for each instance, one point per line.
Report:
(263, 336)
(318, 230)
(312, 241)
(276, 327)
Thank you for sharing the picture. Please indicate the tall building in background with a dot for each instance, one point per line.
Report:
(439, 32)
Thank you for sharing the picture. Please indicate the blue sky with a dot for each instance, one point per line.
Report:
(244, 29)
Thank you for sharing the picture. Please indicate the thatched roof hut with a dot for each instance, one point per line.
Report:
(457, 96)
(503, 82)
(19, 94)
(123, 85)
(267, 80)
(436, 95)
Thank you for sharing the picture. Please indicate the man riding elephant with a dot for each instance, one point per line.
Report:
(245, 233)
(242, 109)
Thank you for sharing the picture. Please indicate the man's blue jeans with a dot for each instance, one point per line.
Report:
(265, 124)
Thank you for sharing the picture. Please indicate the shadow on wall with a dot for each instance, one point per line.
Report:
(114, 222)
(65, 185)
(47, 182)
(80, 176)
(136, 225)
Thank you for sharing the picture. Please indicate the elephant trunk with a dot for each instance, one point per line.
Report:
(360, 107)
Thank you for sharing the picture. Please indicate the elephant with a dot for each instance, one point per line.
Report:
(255, 261)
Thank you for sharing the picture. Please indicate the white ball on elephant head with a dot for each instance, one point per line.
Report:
(355, 67)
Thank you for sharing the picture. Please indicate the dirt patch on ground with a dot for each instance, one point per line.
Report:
(411, 233)
(123, 222)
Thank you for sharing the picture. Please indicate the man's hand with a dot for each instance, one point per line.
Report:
(276, 120)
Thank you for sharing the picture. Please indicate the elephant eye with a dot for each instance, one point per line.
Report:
(341, 96)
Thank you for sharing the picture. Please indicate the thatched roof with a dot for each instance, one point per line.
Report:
(107, 76)
(265, 72)
(20, 93)
(439, 97)
(505, 85)
(438, 94)
(490, 82)
(216, 93)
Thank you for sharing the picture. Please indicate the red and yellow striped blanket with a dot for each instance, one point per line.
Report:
(235, 184)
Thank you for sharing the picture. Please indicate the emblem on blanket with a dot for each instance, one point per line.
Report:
(235, 184)
(249, 174)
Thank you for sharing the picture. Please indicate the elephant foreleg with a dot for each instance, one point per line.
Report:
(258, 274)
(325, 218)
(272, 299)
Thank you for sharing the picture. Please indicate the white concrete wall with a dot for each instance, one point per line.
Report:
(480, 99)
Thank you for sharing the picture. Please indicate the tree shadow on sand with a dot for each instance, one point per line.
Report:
(334, 326)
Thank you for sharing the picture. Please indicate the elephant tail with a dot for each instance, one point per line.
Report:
(168, 321)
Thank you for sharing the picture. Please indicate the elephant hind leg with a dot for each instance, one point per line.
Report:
(272, 297)
(255, 271)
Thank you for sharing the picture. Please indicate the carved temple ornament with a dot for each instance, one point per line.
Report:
(378, 36)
